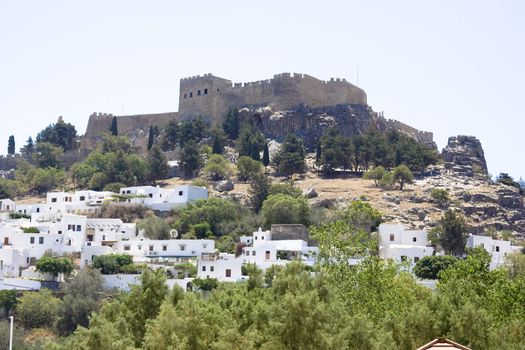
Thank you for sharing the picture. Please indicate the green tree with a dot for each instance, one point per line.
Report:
(43, 180)
(440, 196)
(47, 155)
(155, 228)
(266, 155)
(54, 266)
(218, 140)
(206, 284)
(402, 175)
(258, 191)
(284, 209)
(231, 124)
(248, 168)
(429, 267)
(362, 215)
(8, 301)
(218, 168)
(157, 164)
(190, 159)
(453, 231)
(11, 145)
(287, 188)
(82, 296)
(28, 149)
(60, 135)
(376, 174)
(113, 129)
(37, 309)
(290, 158)
(152, 135)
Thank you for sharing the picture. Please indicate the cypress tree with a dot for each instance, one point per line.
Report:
(318, 152)
(11, 145)
(114, 128)
(266, 155)
(255, 153)
(151, 137)
(216, 145)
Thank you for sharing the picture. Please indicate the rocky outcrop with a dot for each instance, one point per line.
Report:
(464, 156)
(310, 123)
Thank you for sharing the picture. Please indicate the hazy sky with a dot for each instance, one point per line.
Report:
(451, 67)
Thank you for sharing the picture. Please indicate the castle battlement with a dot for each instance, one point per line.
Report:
(211, 97)
(101, 115)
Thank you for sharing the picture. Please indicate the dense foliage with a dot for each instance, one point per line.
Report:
(60, 134)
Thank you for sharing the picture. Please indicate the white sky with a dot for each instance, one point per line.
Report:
(451, 67)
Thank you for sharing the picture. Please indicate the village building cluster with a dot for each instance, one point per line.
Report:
(67, 223)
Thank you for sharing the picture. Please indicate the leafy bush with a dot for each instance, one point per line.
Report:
(110, 264)
(155, 228)
(54, 266)
(31, 229)
(248, 168)
(37, 309)
(206, 284)
(429, 267)
(440, 196)
(285, 209)
(218, 168)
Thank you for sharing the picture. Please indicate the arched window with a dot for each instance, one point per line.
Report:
(391, 237)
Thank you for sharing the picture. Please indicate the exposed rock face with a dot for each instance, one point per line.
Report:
(223, 186)
(464, 156)
(310, 123)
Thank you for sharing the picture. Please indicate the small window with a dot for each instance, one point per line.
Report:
(103, 237)
(203, 268)
(228, 273)
(32, 240)
(253, 253)
(164, 247)
(198, 92)
(414, 239)
(391, 237)
(497, 248)
(255, 237)
(403, 258)
(139, 247)
(127, 247)
(185, 96)
(150, 248)
(182, 247)
(204, 245)
(416, 259)
(38, 210)
(191, 94)
(53, 200)
(79, 228)
(82, 198)
(60, 232)
(40, 240)
(205, 91)
(212, 268)
(151, 195)
(181, 193)
(267, 255)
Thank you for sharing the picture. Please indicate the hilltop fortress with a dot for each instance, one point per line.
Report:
(210, 97)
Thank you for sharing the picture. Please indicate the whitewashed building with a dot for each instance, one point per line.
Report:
(401, 245)
(163, 199)
(7, 205)
(498, 249)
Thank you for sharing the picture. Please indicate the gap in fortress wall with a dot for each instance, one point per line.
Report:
(211, 97)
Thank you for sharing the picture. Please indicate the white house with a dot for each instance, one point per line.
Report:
(260, 250)
(146, 250)
(498, 249)
(222, 266)
(7, 205)
(400, 245)
(163, 199)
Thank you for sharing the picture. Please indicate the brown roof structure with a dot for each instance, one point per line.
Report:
(443, 344)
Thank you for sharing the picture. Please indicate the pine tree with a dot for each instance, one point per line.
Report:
(266, 155)
(231, 124)
(114, 128)
(29, 147)
(11, 145)
(190, 159)
(158, 165)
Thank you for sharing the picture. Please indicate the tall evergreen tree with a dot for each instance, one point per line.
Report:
(190, 160)
(232, 124)
(11, 145)
(158, 165)
(153, 133)
(113, 129)
(266, 155)
(290, 158)
(216, 147)
(255, 152)
(453, 233)
(318, 151)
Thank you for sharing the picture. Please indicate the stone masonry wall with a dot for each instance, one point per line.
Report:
(210, 97)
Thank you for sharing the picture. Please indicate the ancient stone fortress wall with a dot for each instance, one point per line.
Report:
(423, 137)
(135, 126)
(210, 97)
